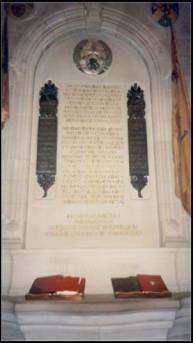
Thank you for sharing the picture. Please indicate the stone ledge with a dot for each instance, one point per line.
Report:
(97, 317)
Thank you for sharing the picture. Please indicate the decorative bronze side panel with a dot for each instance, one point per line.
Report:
(138, 156)
(47, 137)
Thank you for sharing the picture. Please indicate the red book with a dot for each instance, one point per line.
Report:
(57, 283)
(151, 283)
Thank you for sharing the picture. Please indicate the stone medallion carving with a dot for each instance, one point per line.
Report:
(21, 11)
(92, 57)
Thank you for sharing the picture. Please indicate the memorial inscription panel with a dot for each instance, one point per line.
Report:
(92, 159)
(91, 203)
(47, 137)
(138, 147)
(138, 155)
(46, 151)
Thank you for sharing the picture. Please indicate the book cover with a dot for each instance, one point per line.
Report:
(57, 286)
(124, 285)
(151, 283)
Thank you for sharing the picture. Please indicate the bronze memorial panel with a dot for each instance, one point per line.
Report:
(47, 137)
(137, 137)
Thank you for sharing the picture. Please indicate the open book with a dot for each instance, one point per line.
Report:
(140, 286)
(57, 287)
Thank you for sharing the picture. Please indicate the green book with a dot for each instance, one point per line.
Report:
(128, 284)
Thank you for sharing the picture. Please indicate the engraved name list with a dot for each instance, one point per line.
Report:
(92, 145)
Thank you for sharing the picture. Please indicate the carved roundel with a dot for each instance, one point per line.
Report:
(92, 57)
(20, 11)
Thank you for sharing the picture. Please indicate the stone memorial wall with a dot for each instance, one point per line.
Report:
(92, 214)
(92, 201)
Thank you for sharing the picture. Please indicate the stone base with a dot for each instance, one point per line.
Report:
(10, 328)
(98, 318)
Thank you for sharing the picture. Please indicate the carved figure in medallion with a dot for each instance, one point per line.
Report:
(92, 57)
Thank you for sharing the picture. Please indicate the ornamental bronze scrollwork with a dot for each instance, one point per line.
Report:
(138, 157)
(47, 137)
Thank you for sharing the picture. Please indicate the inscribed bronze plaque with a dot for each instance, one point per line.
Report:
(138, 156)
(47, 137)
(47, 140)
(138, 163)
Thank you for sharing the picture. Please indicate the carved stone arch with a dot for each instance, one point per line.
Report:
(36, 40)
